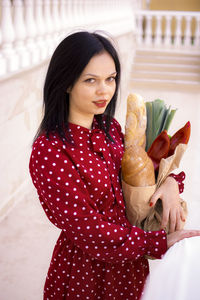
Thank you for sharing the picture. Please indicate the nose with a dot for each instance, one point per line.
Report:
(101, 89)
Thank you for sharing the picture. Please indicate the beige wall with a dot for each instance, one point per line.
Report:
(186, 5)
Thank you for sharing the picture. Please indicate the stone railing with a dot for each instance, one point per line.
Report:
(30, 29)
(168, 28)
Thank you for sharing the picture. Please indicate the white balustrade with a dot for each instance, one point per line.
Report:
(40, 27)
(20, 34)
(9, 58)
(31, 29)
(197, 32)
(158, 32)
(168, 39)
(148, 32)
(178, 34)
(172, 28)
(139, 25)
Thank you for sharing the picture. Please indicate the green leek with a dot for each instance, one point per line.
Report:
(159, 118)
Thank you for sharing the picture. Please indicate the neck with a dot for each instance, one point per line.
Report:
(80, 120)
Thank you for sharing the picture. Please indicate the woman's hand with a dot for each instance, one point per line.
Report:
(168, 192)
(177, 236)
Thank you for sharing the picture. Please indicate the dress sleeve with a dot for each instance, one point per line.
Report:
(179, 178)
(66, 201)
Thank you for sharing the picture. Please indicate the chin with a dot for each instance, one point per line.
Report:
(100, 111)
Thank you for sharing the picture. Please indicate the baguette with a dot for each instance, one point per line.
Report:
(137, 167)
(136, 121)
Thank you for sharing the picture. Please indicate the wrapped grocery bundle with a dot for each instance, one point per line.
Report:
(150, 156)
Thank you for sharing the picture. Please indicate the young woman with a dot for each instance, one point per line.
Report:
(75, 167)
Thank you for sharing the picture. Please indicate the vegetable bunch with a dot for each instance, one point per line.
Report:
(158, 143)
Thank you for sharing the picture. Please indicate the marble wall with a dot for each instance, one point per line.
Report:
(20, 101)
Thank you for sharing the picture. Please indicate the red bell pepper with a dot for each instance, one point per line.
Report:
(159, 148)
(180, 137)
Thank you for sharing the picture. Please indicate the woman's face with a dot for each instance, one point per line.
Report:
(93, 90)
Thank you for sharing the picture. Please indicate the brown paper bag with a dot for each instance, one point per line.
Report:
(137, 202)
(137, 199)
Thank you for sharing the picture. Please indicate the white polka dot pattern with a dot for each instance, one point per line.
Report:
(98, 255)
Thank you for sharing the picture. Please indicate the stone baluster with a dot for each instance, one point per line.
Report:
(105, 10)
(90, 12)
(40, 26)
(2, 65)
(87, 9)
(85, 12)
(56, 21)
(48, 28)
(188, 33)
(2, 61)
(178, 32)
(197, 32)
(148, 31)
(118, 9)
(80, 14)
(20, 34)
(158, 31)
(63, 18)
(70, 13)
(168, 31)
(115, 9)
(74, 11)
(7, 37)
(31, 32)
(83, 8)
(139, 31)
(96, 13)
(101, 13)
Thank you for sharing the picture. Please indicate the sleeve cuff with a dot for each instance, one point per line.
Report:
(179, 178)
(157, 243)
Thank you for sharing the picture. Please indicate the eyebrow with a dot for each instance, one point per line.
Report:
(93, 75)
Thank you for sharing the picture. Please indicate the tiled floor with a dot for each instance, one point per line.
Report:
(27, 238)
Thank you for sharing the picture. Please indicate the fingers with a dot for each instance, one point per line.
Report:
(155, 198)
(182, 215)
(189, 233)
(173, 221)
(178, 220)
(174, 217)
(177, 236)
(165, 218)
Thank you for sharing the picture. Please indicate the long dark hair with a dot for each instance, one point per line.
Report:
(66, 65)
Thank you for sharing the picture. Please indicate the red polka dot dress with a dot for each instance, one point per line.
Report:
(99, 254)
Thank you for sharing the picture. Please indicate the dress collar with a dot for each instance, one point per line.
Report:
(78, 128)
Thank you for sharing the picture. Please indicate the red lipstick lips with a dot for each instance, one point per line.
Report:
(100, 103)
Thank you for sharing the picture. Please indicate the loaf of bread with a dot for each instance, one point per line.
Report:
(136, 121)
(137, 167)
